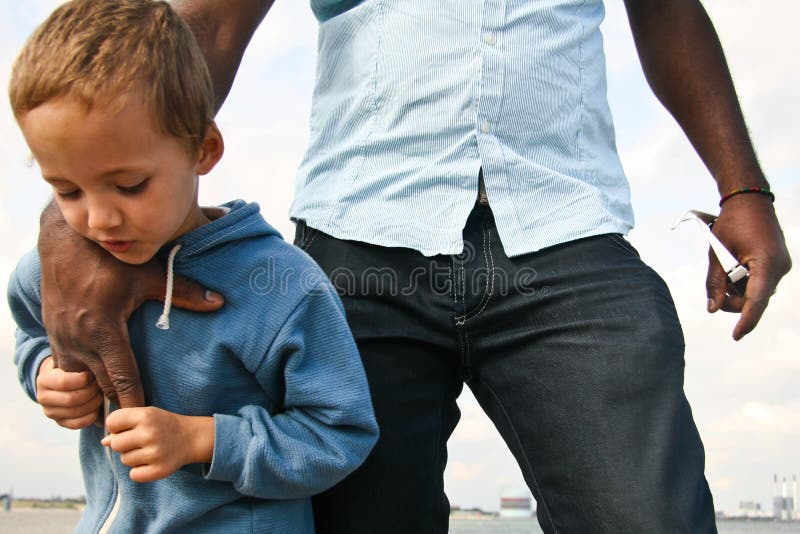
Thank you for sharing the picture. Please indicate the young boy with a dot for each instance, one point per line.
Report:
(252, 409)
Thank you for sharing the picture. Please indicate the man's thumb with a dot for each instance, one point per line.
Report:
(190, 295)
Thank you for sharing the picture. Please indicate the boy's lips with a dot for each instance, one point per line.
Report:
(115, 245)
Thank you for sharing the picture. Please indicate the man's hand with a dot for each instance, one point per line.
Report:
(87, 298)
(72, 400)
(749, 229)
(155, 443)
(685, 66)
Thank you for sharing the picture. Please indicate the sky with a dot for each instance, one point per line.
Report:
(745, 396)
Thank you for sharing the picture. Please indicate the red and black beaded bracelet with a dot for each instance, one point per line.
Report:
(760, 190)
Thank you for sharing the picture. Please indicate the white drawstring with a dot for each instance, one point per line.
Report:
(163, 321)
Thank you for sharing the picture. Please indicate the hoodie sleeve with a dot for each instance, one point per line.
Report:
(326, 426)
(32, 346)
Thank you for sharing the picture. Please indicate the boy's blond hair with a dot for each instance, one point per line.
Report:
(102, 51)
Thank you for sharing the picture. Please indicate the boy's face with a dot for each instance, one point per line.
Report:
(118, 180)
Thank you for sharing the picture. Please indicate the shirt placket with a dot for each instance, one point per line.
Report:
(490, 97)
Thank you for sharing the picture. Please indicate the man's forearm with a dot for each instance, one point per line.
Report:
(685, 66)
(223, 30)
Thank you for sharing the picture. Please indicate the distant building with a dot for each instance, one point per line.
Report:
(751, 510)
(515, 503)
(784, 506)
(749, 506)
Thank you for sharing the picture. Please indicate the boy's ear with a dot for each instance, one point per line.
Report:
(211, 150)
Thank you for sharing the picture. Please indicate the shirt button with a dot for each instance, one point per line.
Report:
(490, 39)
(485, 127)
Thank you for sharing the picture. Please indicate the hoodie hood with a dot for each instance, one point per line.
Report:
(242, 221)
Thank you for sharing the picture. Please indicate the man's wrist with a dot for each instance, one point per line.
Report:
(764, 191)
(741, 179)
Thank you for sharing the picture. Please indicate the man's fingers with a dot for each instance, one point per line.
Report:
(120, 367)
(733, 304)
(751, 314)
(67, 363)
(127, 385)
(190, 295)
(186, 293)
(759, 290)
(716, 282)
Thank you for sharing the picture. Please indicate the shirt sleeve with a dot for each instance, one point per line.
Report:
(32, 346)
(326, 426)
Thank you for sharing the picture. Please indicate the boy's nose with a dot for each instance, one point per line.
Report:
(103, 217)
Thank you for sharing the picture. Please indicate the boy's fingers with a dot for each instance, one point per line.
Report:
(122, 419)
(78, 422)
(74, 400)
(51, 377)
(59, 413)
(124, 442)
(47, 364)
(136, 457)
(148, 473)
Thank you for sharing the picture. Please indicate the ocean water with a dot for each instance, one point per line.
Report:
(37, 521)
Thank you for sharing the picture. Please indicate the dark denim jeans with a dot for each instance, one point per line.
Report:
(575, 353)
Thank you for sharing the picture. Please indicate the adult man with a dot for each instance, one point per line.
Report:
(568, 341)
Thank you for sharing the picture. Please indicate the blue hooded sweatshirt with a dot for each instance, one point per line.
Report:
(277, 367)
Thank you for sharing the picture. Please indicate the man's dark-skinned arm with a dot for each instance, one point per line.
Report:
(88, 295)
(223, 30)
(684, 64)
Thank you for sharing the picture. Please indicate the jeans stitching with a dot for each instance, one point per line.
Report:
(463, 284)
(453, 289)
(490, 274)
(314, 235)
(527, 465)
(489, 289)
(465, 361)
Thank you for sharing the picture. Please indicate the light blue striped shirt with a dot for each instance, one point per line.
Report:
(413, 97)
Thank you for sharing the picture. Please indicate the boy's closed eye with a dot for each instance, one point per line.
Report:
(134, 189)
(128, 190)
(68, 195)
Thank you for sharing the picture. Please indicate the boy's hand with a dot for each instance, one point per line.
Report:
(72, 400)
(155, 443)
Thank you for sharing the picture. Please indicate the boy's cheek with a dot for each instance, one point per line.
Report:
(75, 217)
